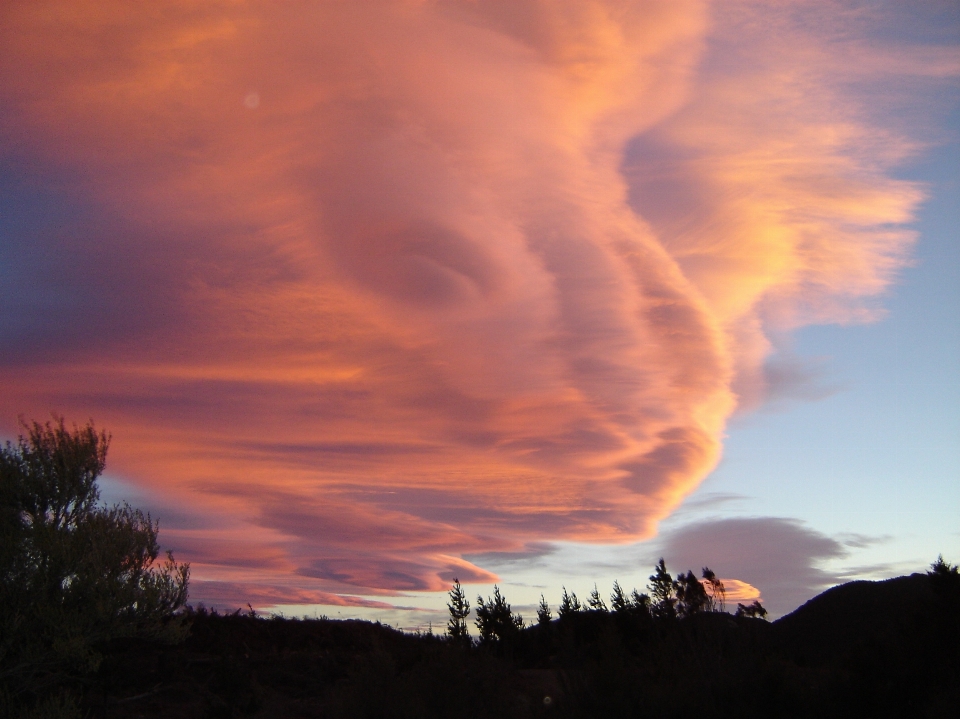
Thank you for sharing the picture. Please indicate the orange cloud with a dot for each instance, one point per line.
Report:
(738, 592)
(371, 286)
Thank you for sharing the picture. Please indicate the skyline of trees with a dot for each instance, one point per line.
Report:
(669, 599)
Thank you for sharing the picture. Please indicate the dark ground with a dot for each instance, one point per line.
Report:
(864, 649)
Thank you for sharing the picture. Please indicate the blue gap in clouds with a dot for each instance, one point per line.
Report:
(881, 457)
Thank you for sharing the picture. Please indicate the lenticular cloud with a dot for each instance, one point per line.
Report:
(360, 288)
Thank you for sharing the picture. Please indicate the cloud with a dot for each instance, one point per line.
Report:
(374, 287)
(708, 502)
(779, 557)
(788, 377)
(226, 595)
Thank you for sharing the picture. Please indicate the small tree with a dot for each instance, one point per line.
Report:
(73, 574)
(595, 602)
(543, 612)
(459, 611)
(944, 578)
(754, 611)
(941, 568)
(569, 604)
(640, 601)
(618, 600)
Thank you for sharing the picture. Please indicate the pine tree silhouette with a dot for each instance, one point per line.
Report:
(459, 611)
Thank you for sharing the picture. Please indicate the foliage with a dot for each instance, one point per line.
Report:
(459, 611)
(691, 596)
(640, 602)
(663, 593)
(618, 600)
(595, 602)
(754, 610)
(543, 612)
(569, 604)
(636, 603)
(862, 650)
(943, 573)
(716, 590)
(495, 620)
(945, 580)
(940, 568)
(73, 574)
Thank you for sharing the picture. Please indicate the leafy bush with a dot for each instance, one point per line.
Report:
(73, 574)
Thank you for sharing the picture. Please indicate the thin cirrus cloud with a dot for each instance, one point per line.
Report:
(374, 286)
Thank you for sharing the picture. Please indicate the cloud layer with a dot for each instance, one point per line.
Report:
(778, 557)
(372, 286)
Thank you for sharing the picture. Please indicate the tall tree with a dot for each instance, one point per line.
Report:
(692, 598)
(459, 611)
(543, 612)
(716, 590)
(73, 574)
(569, 604)
(495, 619)
(662, 592)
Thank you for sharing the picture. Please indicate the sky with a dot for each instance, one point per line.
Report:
(375, 295)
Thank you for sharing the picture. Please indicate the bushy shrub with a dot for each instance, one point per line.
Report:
(73, 574)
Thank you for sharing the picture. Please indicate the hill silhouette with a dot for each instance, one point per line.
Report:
(863, 649)
(889, 647)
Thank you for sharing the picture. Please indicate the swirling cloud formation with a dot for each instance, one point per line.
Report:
(360, 288)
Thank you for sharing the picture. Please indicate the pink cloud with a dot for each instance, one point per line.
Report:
(227, 594)
(465, 277)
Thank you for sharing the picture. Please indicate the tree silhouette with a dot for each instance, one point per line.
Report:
(716, 590)
(662, 593)
(495, 620)
(944, 571)
(618, 601)
(569, 604)
(945, 579)
(459, 611)
(754, 610)
(595, 602)
(73, 574)
(640, 602)
(543, 612)
(692, 598)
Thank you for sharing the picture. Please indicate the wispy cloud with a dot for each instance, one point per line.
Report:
(464, 277)
(226, 595)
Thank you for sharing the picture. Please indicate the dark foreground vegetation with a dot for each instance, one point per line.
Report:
(865, 649)
(93, 626)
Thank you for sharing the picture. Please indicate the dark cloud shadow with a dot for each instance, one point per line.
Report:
(531, 555)
(778, 556)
